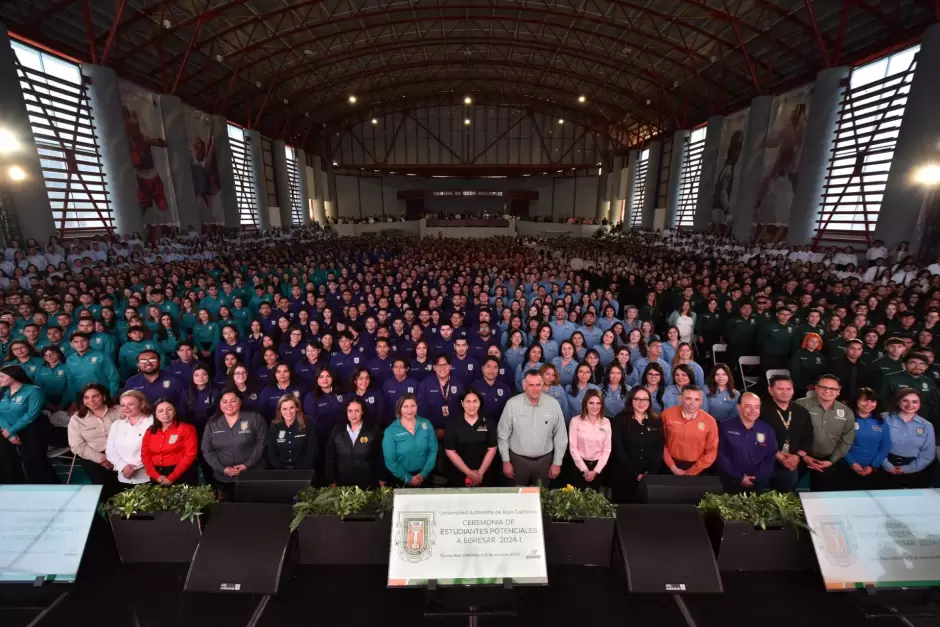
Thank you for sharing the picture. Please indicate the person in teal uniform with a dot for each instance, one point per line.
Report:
(206, 335)
(212, 301)
(86, 366)
(241, 315)
(409, 445)
(98, 341)
(168, 336)
(135, 344)
(189, 317)
(22, 354)
(23, 430)
(52, 378)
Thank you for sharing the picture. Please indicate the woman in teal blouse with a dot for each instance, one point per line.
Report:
(206, 335)
(24, 430)
(410, 445)
(22, 354)
(52, 378)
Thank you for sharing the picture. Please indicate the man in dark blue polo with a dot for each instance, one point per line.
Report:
(747, 448)
(493, 392)
(398, 385)
(156, 384)
(380, 366)
(463, 367)
(439, 395)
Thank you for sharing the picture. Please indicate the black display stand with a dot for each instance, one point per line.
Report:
(39, 599)
(471, 602)
(901, 604)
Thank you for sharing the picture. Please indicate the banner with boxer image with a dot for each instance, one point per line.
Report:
(781, 161)
(143, 124)
(202, 153)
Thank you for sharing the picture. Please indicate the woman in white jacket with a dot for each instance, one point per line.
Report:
(127, 435)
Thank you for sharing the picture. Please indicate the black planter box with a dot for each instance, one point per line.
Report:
(579, 542)
(353, 541)
(742, 546)
(156, 538)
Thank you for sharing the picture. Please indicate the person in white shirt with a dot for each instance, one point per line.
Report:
(127, 435)
(877, 251)
(905, 275)
(874, 271)
(846, 257)
(52, 256)
(934, 268)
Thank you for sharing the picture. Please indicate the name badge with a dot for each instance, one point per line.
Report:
(173, 438)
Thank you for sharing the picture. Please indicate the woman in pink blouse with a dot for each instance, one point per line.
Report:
(589, 442)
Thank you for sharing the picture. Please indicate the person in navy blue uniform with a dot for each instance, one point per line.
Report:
(380, 366)
(506, 374)
(481, 341)
(372, 397)
(155, 383)
(182, 368)
(747, 449)
(439, 396)
(396, 387)
(324, 406)
(345, 362)
(202, 403)
(492, 391)
(443, 342)
(913, 443)
(264, 374)
(420, 365)
(290, 444)
(231, 343)
(292, 349)
(463, 367)
(861, 468)
(306, 369)
(281, 384)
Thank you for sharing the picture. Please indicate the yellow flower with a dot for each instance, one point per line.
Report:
(568, 488)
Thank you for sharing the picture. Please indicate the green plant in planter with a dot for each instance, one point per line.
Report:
(145, 498)
(760, 510)
(341, 501)
(569, 502)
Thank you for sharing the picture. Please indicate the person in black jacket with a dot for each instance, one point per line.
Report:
(637, 442)
(852, 372)
(290, 444)
(793, 429)
(354, 450)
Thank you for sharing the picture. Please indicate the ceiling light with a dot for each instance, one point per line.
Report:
(219, 58)
(467, 100)
(582, 99)
(335, 163)
(306, 115)
(8, 142)
(353, 99)
(257, 83)
(17, 173)
(308, 52)
(167, 24)
(561, 121)
(466, 122)
(927, 175)
(285, 101)
(375, 121)
(647, 102)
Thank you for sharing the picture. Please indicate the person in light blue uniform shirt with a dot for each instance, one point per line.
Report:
(615, 391)
(516, 351)
(532, 361)
(609, 319)
(681, 376)
(549, 345)
(592, 334)
(913, 444)
(653, 380)
(551, 387)
(576, 391)
(654, 355)
(561, 328)
(606, 350)
(720, 396)
(565, 364)
(861, 468)
(625, 361)
(685, 355)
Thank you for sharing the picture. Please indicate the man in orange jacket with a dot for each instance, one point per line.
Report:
(691, 435)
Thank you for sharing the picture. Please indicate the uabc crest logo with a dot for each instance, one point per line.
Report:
(415, 536)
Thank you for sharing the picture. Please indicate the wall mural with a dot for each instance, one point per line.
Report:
(781, 162)
(729, 169)
(206, 180)
(143, 124)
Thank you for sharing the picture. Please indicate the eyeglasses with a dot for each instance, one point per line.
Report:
(827, 388)
(148, 360)
(641, 400)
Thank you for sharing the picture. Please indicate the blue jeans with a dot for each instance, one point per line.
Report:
(782, 479)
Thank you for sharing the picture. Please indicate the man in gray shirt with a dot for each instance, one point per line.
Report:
(532, 435)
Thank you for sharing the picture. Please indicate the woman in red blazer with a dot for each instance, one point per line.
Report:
(170, 448)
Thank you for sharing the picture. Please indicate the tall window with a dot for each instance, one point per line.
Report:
(689, 180)
(870, 116)
(639, 188)
(59, 110)
(293, 179)
(244, 180)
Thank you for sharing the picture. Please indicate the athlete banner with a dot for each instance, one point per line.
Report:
(206, 181)
(143, 124)
(729, 169)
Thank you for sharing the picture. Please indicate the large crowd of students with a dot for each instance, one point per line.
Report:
(417, 362)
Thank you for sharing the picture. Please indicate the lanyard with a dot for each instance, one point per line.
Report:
(786, 421)
(445, 391)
